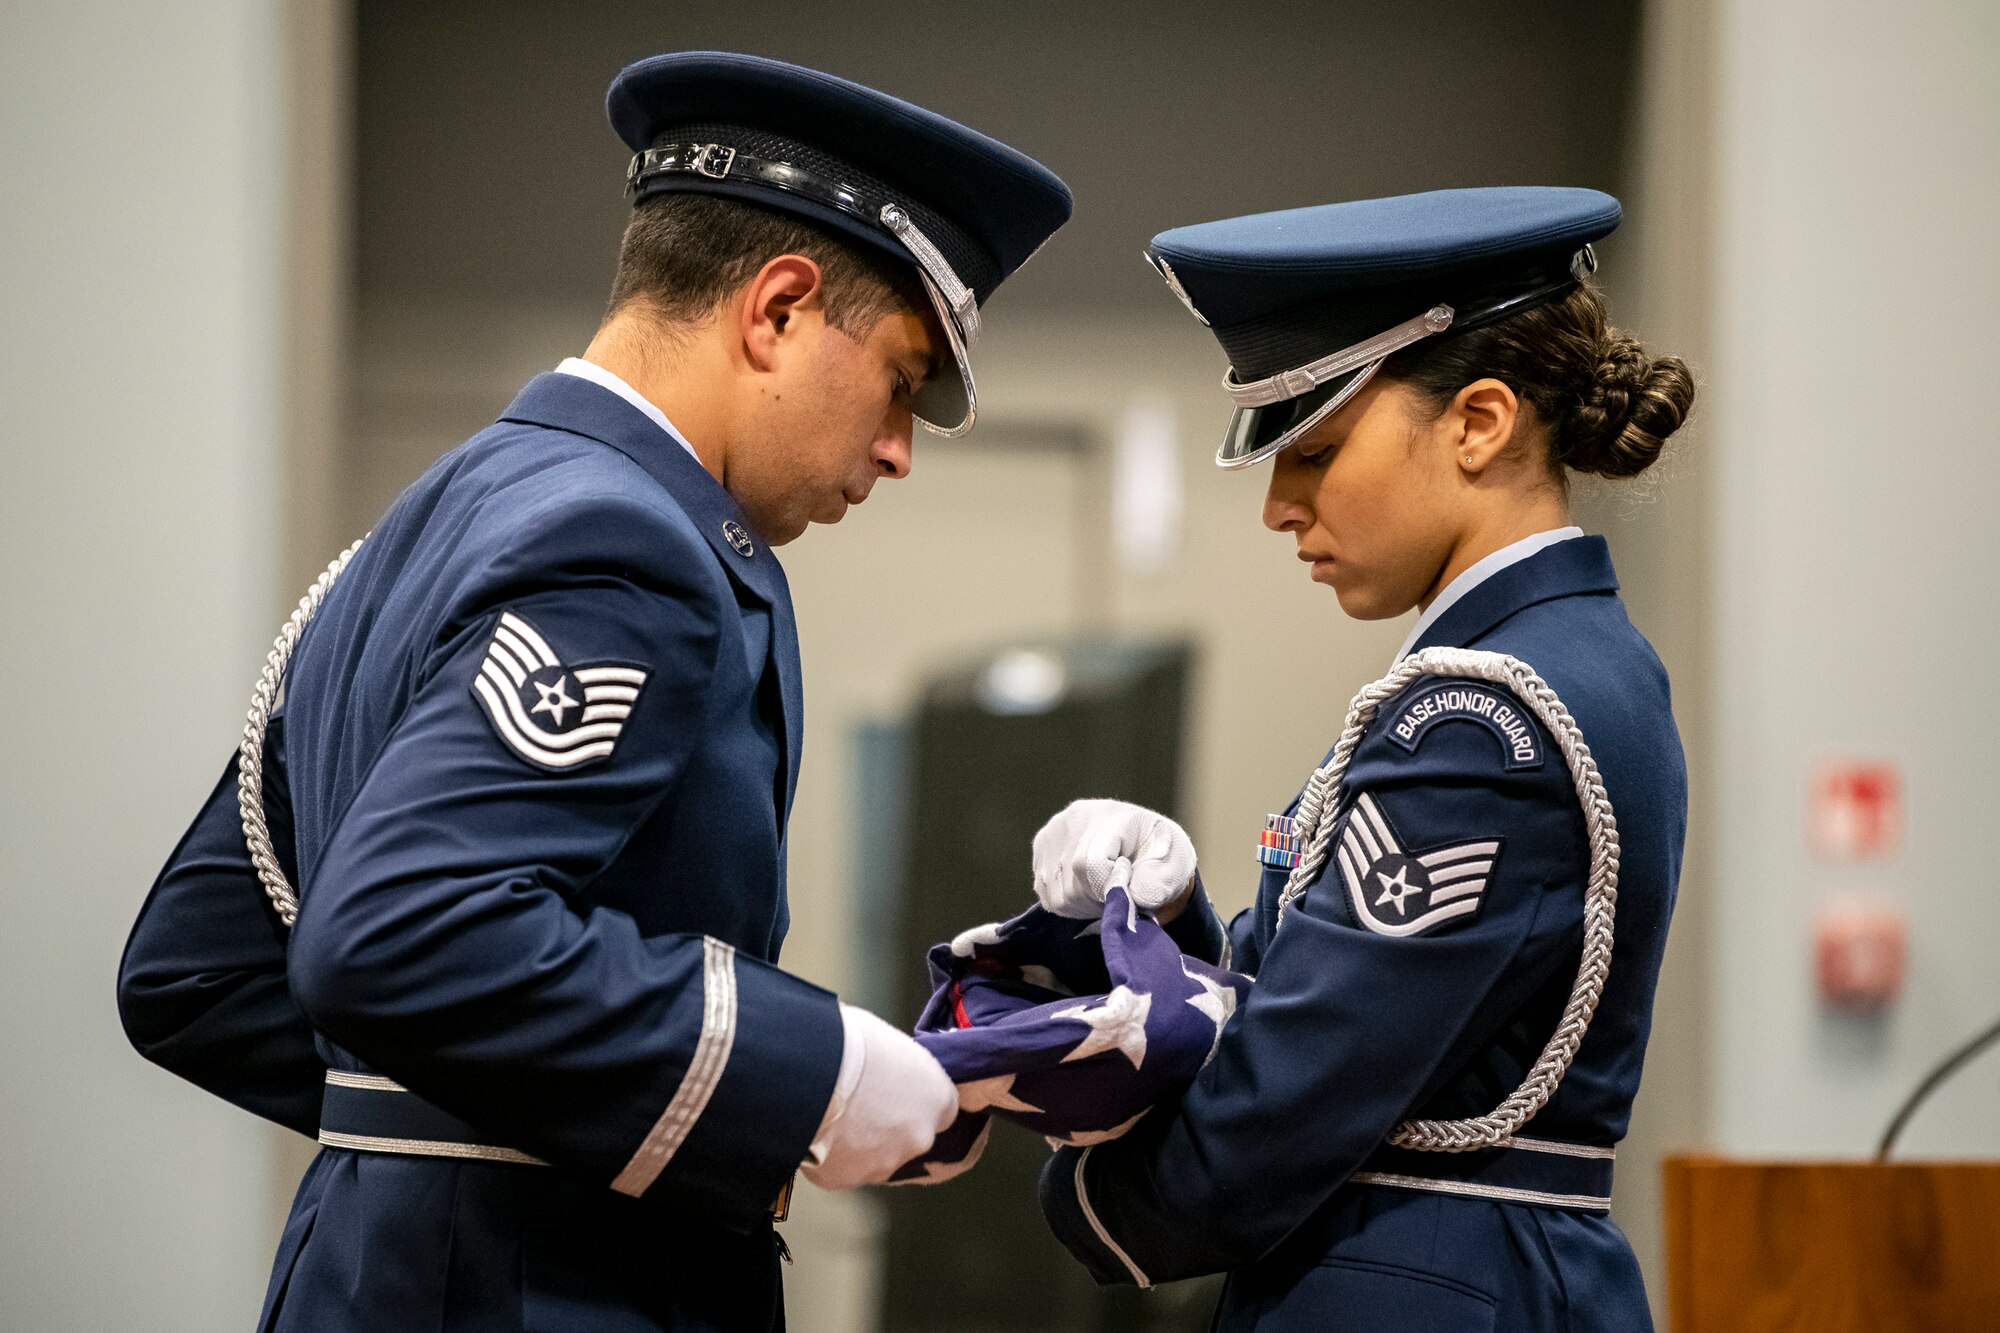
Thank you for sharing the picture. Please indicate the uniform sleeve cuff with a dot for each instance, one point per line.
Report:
(770, 1054)
(848, 1079)
(1077, 1225)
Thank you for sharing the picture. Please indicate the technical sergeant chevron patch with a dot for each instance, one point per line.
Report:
(554, 716)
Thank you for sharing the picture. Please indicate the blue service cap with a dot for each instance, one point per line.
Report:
(1308, 302)
(964, 209)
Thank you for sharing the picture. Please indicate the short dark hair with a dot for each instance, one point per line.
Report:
(683, 252)
(1607, 405)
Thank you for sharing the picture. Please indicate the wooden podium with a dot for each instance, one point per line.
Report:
(1832, 1247)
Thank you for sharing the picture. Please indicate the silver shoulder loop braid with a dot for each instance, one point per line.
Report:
(250, 761)
(1315, 828)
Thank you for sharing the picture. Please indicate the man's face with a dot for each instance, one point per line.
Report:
(832, 421)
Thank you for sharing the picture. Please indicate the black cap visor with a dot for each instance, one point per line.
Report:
(1256, 433)
(945, 403)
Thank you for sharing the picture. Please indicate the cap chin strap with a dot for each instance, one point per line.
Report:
(957, 309)
(957, 305)
(1300, 380)
(960, 302)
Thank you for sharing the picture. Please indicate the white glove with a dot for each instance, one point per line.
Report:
(889, 1104)
(1076, 851)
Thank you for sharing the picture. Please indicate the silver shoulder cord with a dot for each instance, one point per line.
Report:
(1315, 825)
(1320, 798)
(250, 756)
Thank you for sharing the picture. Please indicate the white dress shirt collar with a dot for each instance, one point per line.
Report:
(1478, 573)
(596, 374)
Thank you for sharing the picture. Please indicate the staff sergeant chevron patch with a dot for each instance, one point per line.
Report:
(1396, 893)
(554, 716)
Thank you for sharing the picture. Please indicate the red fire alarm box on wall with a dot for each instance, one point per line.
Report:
(1857, 811)
(1858, 950)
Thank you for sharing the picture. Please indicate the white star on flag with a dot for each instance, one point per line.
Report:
(1117, 1024)
(1216, 1000)
(962, 943)
(996, 1093)
(1086, 1138)
(934, 1172)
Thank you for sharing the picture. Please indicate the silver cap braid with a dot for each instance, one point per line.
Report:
(250, 757)
(1322, 797)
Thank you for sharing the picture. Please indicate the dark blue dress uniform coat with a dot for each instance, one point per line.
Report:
(532, 778)
(1373, 1007)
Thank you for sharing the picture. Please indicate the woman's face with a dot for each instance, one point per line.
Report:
(1375, 499)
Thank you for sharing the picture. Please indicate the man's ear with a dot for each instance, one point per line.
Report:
(772, 304)
(1482, 418)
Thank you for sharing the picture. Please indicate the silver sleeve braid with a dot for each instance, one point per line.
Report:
(1315, 826)
(250, 760)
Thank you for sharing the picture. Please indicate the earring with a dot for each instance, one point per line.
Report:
(1468, 460)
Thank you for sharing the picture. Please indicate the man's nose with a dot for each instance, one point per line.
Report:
(891, 450)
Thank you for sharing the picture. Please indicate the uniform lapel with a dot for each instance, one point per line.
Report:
(568, 403)
(1578, 566)
(785, 656)
(1567, 569)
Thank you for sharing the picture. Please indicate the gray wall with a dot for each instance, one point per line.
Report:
(1854, 604)
(141, 255)
(486, 170)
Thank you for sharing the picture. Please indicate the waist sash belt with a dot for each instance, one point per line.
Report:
(1541, 1172)
(370, 1113)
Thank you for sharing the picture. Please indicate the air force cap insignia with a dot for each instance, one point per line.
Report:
(555, 716)
(1396, 893)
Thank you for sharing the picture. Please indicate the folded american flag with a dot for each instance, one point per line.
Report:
(1074, 1029)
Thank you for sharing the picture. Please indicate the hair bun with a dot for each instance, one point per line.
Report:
(1621, 418)
(1601, 403)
